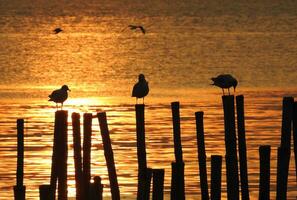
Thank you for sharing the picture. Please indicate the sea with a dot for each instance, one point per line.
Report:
(99, 57)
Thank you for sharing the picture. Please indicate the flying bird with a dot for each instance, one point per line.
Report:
(141, 88)
(57, 30)
(59, 96)
(225, 81)
(134, 27)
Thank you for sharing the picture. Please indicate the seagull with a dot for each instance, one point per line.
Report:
(59, 96)
(58, 30)
(133, 27)
(225, 81)
(141, 88)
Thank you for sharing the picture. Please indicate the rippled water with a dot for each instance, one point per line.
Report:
(99, 58)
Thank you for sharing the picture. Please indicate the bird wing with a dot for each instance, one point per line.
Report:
(142, 29)
(135, 89)
(132, 27)
(54, 95)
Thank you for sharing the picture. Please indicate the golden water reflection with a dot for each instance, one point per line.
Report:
(263, 124)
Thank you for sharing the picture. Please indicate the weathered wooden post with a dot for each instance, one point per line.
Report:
(45, 192)
(158, 184)
(19, 188)
(96, 189)
(242, 148)
(295, 135)
(178, 166)
(283, 160)
(141, 152)
(77, 156)
(284, 151)
(108, 153)
(287, 117)
(87, 126)
(264, 187)
(201, 155)
(231, 150)
(216, 177)
(59, 159)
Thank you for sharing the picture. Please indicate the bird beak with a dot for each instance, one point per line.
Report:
(69, 90)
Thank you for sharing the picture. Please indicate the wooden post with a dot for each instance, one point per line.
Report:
(201, 155)
(19, 192)
(45, 192)
(96, 189)
(231, 150)
(19, 188)
(216, 177)
(59, 159)
(176, 132)
(158, 184)
(62, 154)
(264, 187)
(178, 166)
(148, 178)
(177, 181)
(288, 104)
(295, 135)
(77, 156)
(87, 153)
(141, 151)
(108, 153)
(242, 148)
(283, 160)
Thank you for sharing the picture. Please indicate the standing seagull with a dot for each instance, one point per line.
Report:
(57, 30)
(141, 88)
(225, 81)
(133, 27)
(59, 96)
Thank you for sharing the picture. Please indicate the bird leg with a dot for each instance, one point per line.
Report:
(229, 91)
(61, 106)
(142, 100)
(223, 92)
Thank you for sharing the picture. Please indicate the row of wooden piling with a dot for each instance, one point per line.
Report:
(235, 145)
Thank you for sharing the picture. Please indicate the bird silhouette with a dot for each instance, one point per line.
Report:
(141, 88)
(134, 27)
(225, 81)
(59, 96)
(57, 30)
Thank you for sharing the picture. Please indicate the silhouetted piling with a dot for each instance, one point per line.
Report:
(87, 152)
(19, 188)
(288, 104)
(60, 151)
(141, 150)
(20, 152)
(148, 179)
(176, 132)
(45, 192)
(96, 189)
(264, 186)
(77, 156)
(177, 181)
(158, 184)
(216, 177)
(242, 148)
(231, 150)
(295, 135)
(201, 155)
(108, 153)
(283, 160)
(178, 165)
(19, 192)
